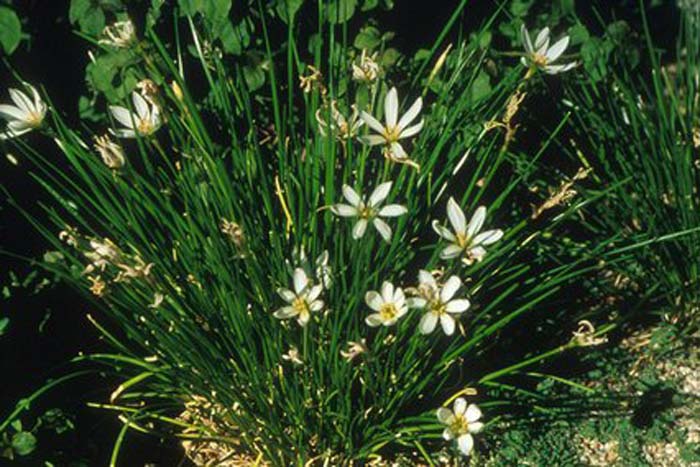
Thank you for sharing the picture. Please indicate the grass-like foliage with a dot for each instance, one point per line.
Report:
(307, 271)
(640, 133)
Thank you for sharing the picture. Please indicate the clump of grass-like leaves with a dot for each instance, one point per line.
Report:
(309, 271)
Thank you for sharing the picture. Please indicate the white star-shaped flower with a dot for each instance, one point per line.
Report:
(26, 115)
(394, 129)
(389, 305)
(439, 303)
(369, 210)
(466, 239)
(541, 55)
(302, 301)
(144, 122)
(462, 421)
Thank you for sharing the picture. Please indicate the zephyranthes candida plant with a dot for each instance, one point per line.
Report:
(309, 272)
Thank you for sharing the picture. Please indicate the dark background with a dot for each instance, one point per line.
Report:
(29, 356)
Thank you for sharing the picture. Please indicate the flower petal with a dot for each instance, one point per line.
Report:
(379, 194)
(122, 115)
(465, 443)
(555, 51)
(410, 114)
(416, 302)
(450, 289)
(460, 406)
(374, 300)
(316, 305)
(21, 100)
(383, 229)
(140, 105)
(476, 427)
(391, 107)
(457, 306)
(393, 210)
(397, 151)
(451, 251)
(424, 277)
(300, 281)
(373, 140)
(344, 210)
(374, 320)
(456, 216)
(10, 112)
(372, 122)
(388, 292)
(351, 195)
(448, 324)
(443, 232)
(285, 313)
(359, 229)
(473, 413)
(314, 292)
(286, 294)
(444, 415)
(427, 323)
(542, 38)
(525, 38)
(476, 222)
(488, 237)
(412, 130)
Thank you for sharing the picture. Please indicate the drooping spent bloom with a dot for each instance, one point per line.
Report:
(144, 122)
(394, 129)
(461, 422)
(121, 34)
(389, 305)
(541, 56)
(466, 239)
(368, 210)
(438, 302)
(338, 126)
(26, 115)
(110, 152)
(367, 69)
(302, 301)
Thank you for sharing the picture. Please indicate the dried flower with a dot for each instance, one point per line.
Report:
(111, 153)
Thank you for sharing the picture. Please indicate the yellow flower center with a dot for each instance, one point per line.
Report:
(34, 119)
(539, 59)
(366, 212)
(300, 306)
(438, 308)
(391, 134)
(388, 311)
(460, 425)
(144, 127)
(463, 240)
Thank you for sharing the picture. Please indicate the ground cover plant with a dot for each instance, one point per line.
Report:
(303, 246)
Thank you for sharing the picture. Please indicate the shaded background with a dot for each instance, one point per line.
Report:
(48, 329)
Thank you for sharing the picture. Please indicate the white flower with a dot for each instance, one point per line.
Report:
(367, 70)
(541, 55)
(394, 128)
(369, 210)
(110, 152)
(438, 303)
(120, 34)
(390, 305)
(466, 239)
(293, 356)
(340, 127)
(461, 423)
(26, 115)
(302, 301)
(144, 122)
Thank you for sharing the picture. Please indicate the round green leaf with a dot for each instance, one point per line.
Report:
(23, 443)
(10, 30)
